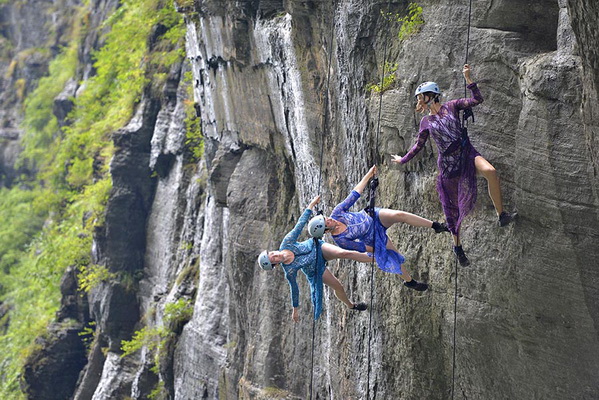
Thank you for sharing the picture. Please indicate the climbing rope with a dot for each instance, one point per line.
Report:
(326, 99)
(455, 314)
(467, 113)
(373, 185)
(324, 129)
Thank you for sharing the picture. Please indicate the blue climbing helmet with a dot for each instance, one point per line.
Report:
(316, 226)
(264, 261)
(427, 87)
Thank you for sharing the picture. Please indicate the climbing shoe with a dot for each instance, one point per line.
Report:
(505, 218)
(440, 227)
(413, 284)
(360, 306)
(459, 253)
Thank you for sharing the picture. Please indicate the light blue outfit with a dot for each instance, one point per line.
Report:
(308, 259)
(360, 232)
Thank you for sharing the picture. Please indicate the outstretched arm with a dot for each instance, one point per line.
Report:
(292, 236)
(362, 184)
(419, 145)
(331, 252)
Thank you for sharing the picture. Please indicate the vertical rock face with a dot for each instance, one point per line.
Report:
(526, 308)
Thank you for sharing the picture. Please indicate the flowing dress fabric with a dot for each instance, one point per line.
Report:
(456, 182)
(361, 231)
(308, 259)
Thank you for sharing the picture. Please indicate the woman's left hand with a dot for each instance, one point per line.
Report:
(396, 158)
(295, 315)
(314, 202)
(466, 71)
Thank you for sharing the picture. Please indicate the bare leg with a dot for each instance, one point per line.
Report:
(332, 252)
(329, 279)
(456, 240)
(484, 168)
(389, 217)
(405, 275)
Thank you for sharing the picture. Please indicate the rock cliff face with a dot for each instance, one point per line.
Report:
(31, 34)
(525, 307)
(527, 315)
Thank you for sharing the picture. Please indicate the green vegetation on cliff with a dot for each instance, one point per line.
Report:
(47, 223)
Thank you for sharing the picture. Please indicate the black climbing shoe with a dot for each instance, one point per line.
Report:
(413, 284)
(459, 253)
(505, 218)
(360, 306)
(440, 227)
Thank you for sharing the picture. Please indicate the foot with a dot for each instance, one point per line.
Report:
(461, 256)
(413, 284)
(359, 306)
(505, 218)
(440, 227)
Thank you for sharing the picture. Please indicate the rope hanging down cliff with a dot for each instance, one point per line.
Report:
(467, 113)
(325, 126)
(372, 193)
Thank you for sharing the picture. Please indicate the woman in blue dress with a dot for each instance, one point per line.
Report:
(310, 256)
(362, 232)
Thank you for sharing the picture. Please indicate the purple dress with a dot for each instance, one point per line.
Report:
(456, 182)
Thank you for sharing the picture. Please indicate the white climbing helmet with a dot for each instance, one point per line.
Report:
(264, 261)
(427, 87)
(316, 226)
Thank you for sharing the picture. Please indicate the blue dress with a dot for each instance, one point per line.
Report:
(308, 259)
(361, 231)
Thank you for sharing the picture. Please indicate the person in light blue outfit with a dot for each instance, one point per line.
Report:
(362, 232)
(310, 256)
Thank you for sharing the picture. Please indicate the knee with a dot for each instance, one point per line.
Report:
(344, 254)
(399, 216)
(490, 172)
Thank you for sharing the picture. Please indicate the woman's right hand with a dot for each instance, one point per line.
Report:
(362, 184)
(295, 315)
(371, 172)
(396, 158)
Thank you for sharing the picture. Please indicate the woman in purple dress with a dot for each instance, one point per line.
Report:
(458, 160)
